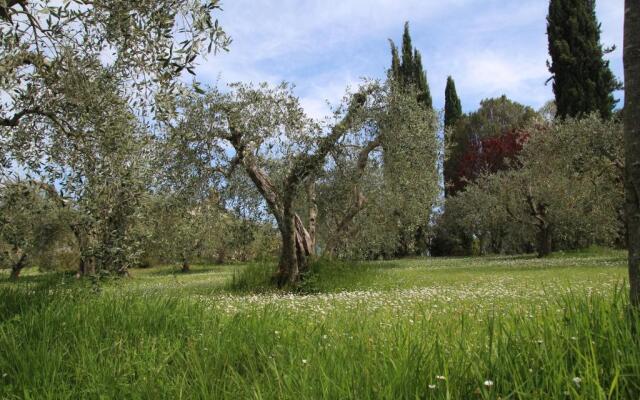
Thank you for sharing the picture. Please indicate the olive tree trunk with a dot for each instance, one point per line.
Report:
(545, 243)
(16, 269)
(87, 264)
(186, 267)
(297, 247)
(632, 141)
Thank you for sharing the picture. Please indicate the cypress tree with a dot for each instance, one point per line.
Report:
(420, 80)
(452, 104)
(582, 80)
(407, 68)
(394, 72)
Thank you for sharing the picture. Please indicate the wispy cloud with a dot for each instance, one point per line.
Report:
(491, 47)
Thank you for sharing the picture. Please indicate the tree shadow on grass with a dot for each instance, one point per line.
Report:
(195, 270)
(33, 292)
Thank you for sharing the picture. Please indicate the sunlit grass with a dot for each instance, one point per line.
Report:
(487, 328)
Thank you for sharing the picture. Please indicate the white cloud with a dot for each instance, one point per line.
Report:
(491, 47)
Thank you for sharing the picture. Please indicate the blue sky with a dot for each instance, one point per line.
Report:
(490, 47)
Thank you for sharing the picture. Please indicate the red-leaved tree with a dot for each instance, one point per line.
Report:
(488, 155)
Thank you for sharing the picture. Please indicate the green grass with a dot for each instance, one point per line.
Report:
(417, 329)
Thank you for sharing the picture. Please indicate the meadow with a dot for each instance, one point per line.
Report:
(498, 327)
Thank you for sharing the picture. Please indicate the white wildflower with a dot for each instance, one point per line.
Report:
(577, 380)
(432, 386)
(488, 383)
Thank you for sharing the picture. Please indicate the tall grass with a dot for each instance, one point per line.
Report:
(68, 342)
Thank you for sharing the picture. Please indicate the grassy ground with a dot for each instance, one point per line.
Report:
(485, 328)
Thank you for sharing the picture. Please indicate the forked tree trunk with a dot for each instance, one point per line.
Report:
(632, 141)
(296, 242)
(296, 250)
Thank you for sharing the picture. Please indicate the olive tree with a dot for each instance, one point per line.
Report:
(146, 43)
(374, 197)
(183, 229)
(264, 132)
(99, 157)
(31, 222)
(566, 192)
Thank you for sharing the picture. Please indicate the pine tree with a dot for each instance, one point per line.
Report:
(582, 80)
(452, 105)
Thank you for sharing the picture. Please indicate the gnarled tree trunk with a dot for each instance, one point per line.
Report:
(632, 141)
(296, 249)
(297, 243)
(539, 210)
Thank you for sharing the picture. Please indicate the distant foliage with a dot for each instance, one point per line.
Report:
(566, 192)
(452, 105)
(34, 228)
(489, 155)
(496, 118)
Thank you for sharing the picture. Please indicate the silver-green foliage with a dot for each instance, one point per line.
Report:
(98, 156)
(33, 227)
(395, 192)
(146, 43)
(568, 185)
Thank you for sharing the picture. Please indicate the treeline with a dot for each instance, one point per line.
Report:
(521, 181)
(109, 165)
(113, 164)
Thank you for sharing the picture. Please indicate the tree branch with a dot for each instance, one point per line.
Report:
(256, 174)
(4, 10)
(306, 164)
(360, 200)
(15, 119)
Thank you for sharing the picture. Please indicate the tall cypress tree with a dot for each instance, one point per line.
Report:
(408, 70)
(408, 76)
(420, 80)
(452, 104)
(394, 72)
(582, 80)
(407, 67)
(452, 113)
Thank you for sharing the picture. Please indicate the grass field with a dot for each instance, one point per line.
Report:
(481, 328)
